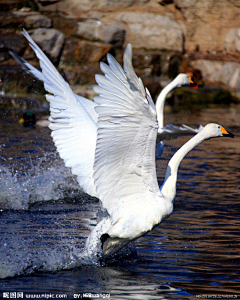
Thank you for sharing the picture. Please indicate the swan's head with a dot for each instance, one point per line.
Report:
(184, 80)
(216, 130)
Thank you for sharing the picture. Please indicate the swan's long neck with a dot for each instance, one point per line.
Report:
(161, 101)
(168, 188)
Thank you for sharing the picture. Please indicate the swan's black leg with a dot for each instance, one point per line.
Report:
(104, 237)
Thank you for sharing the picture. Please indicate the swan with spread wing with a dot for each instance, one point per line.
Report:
(114, 158)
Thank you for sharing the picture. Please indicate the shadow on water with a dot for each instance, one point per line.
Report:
(45, 219)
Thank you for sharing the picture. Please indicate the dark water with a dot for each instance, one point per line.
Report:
(45, 219)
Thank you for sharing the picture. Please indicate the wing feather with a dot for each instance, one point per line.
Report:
(68, 117)
(116, 68)
(28, 67)
(170, 131)
(112, 88)
(128, 68)
(124, 166)
(87, 104)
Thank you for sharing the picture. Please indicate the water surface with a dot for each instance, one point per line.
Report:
(45, 219)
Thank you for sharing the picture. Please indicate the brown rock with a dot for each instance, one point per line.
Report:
(7, 5)
(76, 6)
(218, 71)
(36, 21)
(162, 24)
(79, 51)
(11, 42)
(50, 40)
(112, 33)
(152, 31)
(10, 21)
(83, 73)
(232, 41)
(207, 22)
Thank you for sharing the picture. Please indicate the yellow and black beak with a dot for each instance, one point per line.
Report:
(226, 133)
(192, 83)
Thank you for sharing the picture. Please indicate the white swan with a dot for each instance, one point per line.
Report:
(170, 131)
(114, 159)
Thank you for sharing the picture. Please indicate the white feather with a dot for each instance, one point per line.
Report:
(68, 117)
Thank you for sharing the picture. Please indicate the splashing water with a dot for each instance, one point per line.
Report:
(43, 182)
(35, 233)
(48, 237)
(45, 219)
(22, 257)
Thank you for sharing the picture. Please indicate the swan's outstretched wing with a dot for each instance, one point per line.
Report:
(124, 167)
(170, 131)
(68, 118)
(87, 104)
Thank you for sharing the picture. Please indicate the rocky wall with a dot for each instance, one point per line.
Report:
(209, 25)
(200, 37)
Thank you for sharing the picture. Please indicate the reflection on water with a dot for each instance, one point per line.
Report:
(46, 219)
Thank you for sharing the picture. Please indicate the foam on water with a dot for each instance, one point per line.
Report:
(45, 219)
(43, 241)
(42, 182)
(19, 256)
